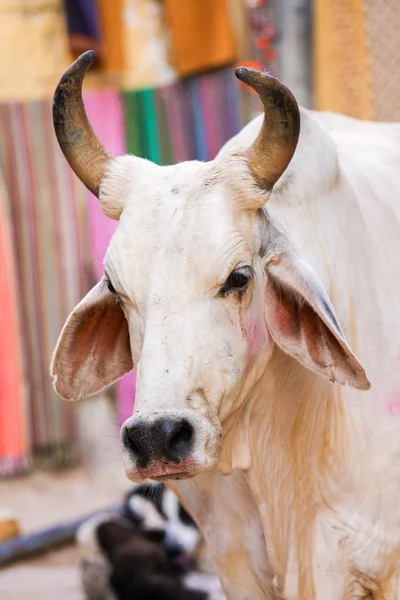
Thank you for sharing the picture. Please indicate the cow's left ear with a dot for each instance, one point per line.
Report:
(302, 322)
(93, 349)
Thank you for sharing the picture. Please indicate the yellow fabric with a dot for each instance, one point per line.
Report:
(145, 42)
(239, 18)
(33, 48)
(341, 62)
(202, 35)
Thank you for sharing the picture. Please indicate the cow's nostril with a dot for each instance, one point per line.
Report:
(182, 436)
(131, 443)
(135, 439)
(180, 440)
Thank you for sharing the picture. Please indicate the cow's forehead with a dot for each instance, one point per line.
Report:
(182, 218)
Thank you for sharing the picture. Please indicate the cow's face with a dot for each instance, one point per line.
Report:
(199, 286)
(185, 264)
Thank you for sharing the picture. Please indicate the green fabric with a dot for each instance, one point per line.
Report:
(133, 124)
(150, 125)
(141, 122)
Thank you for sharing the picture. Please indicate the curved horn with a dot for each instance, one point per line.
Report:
(82, 149)
(273, 149)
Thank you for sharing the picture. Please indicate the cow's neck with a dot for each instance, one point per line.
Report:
(290, 438)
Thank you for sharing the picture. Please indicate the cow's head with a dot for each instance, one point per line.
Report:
(199, 285)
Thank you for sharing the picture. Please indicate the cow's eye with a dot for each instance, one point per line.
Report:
(237, 281)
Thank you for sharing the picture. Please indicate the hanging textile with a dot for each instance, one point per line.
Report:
(239, 18)
(142, 125)
(383, 27)
(111, 28)
(176, 131)
(188, 120)
(202, 35)
(146, 46)
(83, 27)
(13, 433)
(47, 206)
(33, 48)
(356, 66)
(341, 71)
(215, 111)
(112, 134)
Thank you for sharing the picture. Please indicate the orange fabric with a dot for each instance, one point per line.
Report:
(13, 441)
(111, 28)
(341, 62)
(202, 35)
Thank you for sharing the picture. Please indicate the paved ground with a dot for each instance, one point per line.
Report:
(54, 577)
(43, 500)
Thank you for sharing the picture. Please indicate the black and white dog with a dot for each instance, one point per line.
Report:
(148, 552)
(156, 508)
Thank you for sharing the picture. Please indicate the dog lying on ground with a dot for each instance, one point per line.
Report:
(147, 553)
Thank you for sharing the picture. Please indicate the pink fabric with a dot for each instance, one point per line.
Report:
(105, 112)
(210, 118)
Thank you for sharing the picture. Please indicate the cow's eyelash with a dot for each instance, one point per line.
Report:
(238, 280)
(107, 282)
(111, 288)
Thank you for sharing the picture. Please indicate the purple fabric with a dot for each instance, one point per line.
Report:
(82, 17)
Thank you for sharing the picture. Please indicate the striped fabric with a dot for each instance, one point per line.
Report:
(47, 209)
(187, 120)
(59, 234)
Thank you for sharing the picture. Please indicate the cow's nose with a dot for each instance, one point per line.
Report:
(136, 439)
(177, 437)
(167, 439)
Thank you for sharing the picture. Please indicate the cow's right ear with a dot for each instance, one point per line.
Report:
(302, 322)
(93, 349)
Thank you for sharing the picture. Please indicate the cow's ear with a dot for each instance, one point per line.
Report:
(93, 349)
(303, 323)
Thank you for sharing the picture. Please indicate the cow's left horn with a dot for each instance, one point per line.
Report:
(82, 149)
(274, 146)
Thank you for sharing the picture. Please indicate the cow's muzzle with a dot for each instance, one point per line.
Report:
(169, 446)
(169, 440)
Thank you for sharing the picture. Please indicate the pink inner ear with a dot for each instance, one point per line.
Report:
(101, 341)
(282, 317)
(300, 332)
(94, 348)
(302, 322)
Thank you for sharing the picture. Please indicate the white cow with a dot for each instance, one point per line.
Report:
(293, 478)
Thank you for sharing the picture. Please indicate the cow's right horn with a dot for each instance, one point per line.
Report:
(85, 153)
(274, 146)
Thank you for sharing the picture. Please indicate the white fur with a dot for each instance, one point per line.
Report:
(302, 500)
